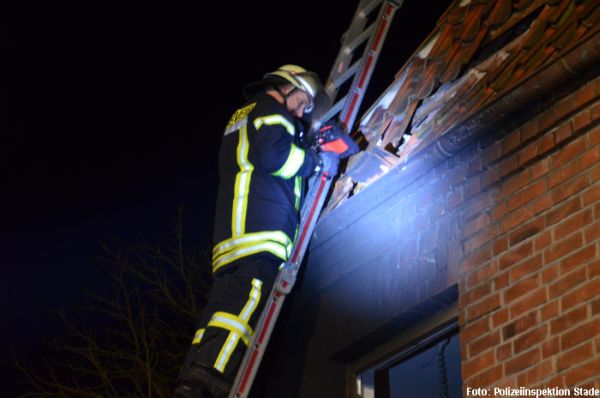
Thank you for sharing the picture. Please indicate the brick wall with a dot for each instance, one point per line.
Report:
(529, 281)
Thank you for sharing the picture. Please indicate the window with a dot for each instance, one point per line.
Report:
(426, 367)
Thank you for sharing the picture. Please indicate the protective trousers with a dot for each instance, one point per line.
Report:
(226, 324)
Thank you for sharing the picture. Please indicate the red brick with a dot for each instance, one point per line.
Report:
(582, 120)
(530, 129)
(596, 173)
(563, 247)
(499, 245)
(556, 381)
(477, 293)
(542, 203)
(583, 372)
(474, 329)
(550, 347)
(475, 225)
(570, 188)
(525, 286)
(530, 339)
(527, 231)
(539, 372)
(575, 222)
(582, 333)
(592, 232)
(511, 142)
(593, 269)
(563, 107)
(477, 363)
(476, 259)
(520, 325)
(543, 240)
(574, 356)
(528, 153)
(576, 259)
(550, 273)
(518, 217)
(504, 351)
(483, 343)
(479, 204)
(528, 302)
(477, 310)
(564, 173)
(592, 195)
(539, 169)
(523, 361)
(474, 167)
(481, 238)
(582, 294)
(500, 317)
(590, 157)
(596, 307)
(526, 195)
(594, 134)
(563, 211)
(490, 155)
(501, 281)
(526, 268)
(481, 274)
(569, 152)
(455, 198)
(549, 310)
(514, 183)
(563, 132)
(509, 165)
(516, 255)
(490, 177)
(584, 95)
(568, 320)
(567, 283)
(486, 378)
(545, 143)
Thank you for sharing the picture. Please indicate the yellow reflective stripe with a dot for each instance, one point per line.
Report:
(198, 336)
(225, 354)
(275, 119)
(242, 184)
(297, 191)
(253, 300)
(292, 164)
(254, 237)
(275, 248)
(232, 340)
(233, 323)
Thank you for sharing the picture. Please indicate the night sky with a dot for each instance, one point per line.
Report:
(111, 116)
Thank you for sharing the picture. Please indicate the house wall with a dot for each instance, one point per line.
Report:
(529, 286)
(513, 221)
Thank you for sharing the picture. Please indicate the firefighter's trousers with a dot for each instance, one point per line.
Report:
(235, 303)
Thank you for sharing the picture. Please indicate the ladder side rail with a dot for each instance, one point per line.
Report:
(286, 279)
(361, 80)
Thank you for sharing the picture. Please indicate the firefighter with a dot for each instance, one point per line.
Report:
(263, 161)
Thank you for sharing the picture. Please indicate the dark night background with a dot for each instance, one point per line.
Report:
(111, 116)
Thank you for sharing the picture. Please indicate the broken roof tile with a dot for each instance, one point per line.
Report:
(462, 68)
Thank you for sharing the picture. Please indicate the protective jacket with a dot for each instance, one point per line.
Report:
(262, 163)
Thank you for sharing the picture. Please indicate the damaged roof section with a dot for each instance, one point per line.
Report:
(479, 51)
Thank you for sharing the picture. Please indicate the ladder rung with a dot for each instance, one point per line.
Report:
(360, 38)
(368, 8)
(336, 108)
(348, 73)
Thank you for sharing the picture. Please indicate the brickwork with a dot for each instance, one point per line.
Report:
(529, 279)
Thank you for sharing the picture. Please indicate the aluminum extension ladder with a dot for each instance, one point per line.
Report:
(347, 107)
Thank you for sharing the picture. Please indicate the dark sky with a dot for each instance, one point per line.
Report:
(111, 116)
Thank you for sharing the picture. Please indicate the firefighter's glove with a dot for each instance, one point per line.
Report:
(328, 163)
(333, 138)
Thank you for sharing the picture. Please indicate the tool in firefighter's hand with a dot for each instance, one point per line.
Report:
(328, 163)
(332, 137)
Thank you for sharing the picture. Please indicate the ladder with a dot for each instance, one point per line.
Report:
(347, 107)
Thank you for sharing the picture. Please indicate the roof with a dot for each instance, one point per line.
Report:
(479, 51)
